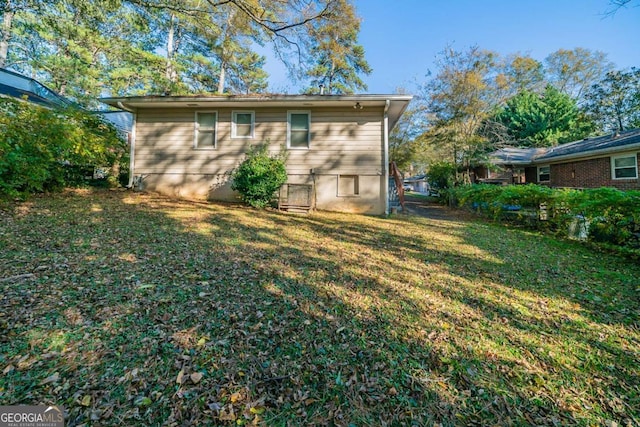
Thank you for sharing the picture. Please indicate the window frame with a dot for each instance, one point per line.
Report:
(624, 156)
(289, 114)
(548, 173)
(356, 185)
(197, 130)
(234, 124)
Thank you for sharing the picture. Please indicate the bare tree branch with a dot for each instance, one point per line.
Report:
(616, 5)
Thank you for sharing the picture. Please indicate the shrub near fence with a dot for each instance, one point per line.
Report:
(608, 215)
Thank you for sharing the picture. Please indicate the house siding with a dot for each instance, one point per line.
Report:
(343, 142)
(591, 173)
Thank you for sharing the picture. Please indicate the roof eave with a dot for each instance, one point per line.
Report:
(399, 103)
(588, 154)
(161, 101)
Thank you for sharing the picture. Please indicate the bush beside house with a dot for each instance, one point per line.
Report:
(259, 176)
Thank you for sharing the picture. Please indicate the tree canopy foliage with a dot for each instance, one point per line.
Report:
(65, 141)
(542, 119)
(84, 49)
(339, 59)
(614, 102)
(476, 101)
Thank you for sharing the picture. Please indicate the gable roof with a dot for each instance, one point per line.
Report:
(397, 104)
(616, 142)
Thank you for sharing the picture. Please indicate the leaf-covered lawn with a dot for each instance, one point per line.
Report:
(132, 309)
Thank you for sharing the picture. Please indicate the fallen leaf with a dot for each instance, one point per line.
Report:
(142, 401)
(196, 377)
(86, 400)
(8, 369)
(257, 410)
(180, 378)
(50, 379)
(227, 414)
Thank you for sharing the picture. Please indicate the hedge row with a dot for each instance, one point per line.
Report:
(43, 149)
(604, 215)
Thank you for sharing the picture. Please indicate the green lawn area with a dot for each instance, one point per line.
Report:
(133, 309)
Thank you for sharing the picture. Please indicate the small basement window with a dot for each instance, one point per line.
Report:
(348, 186)
(544, 173)
(205, 132)
(242, 125)
(624, 167)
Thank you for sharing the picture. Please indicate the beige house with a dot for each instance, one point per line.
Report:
(337, 145)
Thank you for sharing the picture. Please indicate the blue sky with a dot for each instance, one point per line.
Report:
(403, 37)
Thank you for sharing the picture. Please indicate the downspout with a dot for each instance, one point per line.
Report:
(385, 132)
(132, 144)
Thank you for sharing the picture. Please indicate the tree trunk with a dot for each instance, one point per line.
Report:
(5, 35)
(221, 78)
(170, 73)
(333, 70)
(223, 54)
(619, 119)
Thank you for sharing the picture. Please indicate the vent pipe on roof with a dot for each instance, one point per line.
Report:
(321, 89)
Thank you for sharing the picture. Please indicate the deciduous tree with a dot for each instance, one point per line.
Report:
(460, 97)
(574, 71)
(614, 102)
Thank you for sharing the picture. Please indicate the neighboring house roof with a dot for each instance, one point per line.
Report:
(19, 86)
(588, 147)
(515, 156)
(123, 120)
(396, 103)
(416, 178)
(616, 142)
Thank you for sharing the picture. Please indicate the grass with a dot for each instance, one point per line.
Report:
(133, 309)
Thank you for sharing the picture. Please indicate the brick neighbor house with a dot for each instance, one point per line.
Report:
(604, 161)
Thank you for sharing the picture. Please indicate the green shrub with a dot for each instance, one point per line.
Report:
(613, 215)
(441, 175)
(259, 176)
(40, 148)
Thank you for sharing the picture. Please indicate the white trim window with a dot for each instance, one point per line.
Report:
(206, 130)
(242, 124)
(624, 167)
(348, 186)
(544, 173)
(298, 129)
